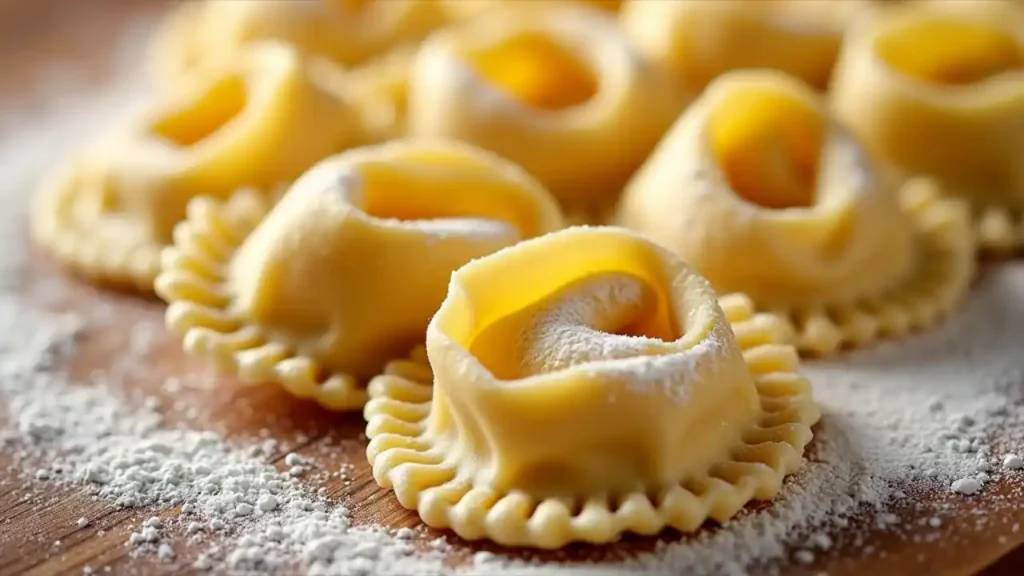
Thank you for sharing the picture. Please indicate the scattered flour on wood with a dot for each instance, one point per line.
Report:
(927, 412)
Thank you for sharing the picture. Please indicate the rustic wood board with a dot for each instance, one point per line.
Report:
(34, 516)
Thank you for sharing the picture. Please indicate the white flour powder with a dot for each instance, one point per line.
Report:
(927, 414)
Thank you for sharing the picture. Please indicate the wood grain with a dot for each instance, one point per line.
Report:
(34, 516)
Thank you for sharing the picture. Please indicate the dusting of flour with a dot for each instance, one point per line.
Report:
(580, 324)
(929, 413)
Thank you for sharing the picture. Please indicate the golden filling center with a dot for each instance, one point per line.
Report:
(766, 144)
(951, 52)
(190, 124)
(537, 71)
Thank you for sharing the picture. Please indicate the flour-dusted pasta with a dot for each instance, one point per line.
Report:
(763, 193)
(697, 40)
(586, 384)
(343, 274)
(258, 122)
(557, 89)
(937, 88)
(349, 32)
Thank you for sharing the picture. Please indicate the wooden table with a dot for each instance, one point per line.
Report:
(33, 516)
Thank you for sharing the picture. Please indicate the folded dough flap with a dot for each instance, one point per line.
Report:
(221, 132)
(359, 251)
(588, 360)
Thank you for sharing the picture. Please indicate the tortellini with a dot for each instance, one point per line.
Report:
(348, 32)
(585, 384)
(937, 88)
(763, 193)
(697, 40)
(343, 274)
(257, 122)
(557, 89)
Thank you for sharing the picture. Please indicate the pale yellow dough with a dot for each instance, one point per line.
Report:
(586, 384)
(379, 89)
(557, 89)
(257, 122)
(462, 9)
(697, 40)
(763, 193)
(344, 273)
(937, 88)
(198, 34)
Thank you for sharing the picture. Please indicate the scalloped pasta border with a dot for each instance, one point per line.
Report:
(947, 264)
(417, 468)
(86, 248)
(200, 309)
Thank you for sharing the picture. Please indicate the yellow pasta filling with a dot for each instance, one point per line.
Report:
(205, 115)
(951, 52)
(537, 71)
(767, 144)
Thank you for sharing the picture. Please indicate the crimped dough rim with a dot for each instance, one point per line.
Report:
(86, 245)
(944, 268)
(423, 477)
(194, 282)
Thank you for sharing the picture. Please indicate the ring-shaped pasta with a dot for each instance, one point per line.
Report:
(198, 35)
(557, 89)
(343, 274)
(937, 88)
(762, 192)
(258, 122)
(586, 384)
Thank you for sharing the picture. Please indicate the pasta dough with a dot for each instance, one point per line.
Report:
(556, 89)
(697, 40)
(379, 89)
(937, 88)
(345, 271)
(348, 32)
(258, 122)
(761, 192)
(586, 384)
(461, 9)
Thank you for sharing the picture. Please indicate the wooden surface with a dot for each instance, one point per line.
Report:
(33, 515)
